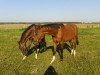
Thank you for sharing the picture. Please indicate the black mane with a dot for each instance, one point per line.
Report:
(52, 25)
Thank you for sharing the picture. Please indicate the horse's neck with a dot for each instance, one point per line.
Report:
(23, 39)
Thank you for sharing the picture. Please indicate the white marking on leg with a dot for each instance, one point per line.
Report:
(72, 51)
(37, 49)
(24, 57)
(52, 60)
(35, 55)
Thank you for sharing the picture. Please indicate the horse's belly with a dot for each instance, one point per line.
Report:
(67, 37)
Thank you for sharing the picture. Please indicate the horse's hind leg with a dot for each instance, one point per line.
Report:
(74, 52)
(71, 45)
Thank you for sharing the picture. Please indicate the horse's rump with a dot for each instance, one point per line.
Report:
(71, 31)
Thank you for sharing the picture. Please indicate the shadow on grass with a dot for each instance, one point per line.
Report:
(50, 71)
(66, 46)
(44, 48)
(31, 50)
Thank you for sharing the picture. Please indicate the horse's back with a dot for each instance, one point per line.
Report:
(75, 29)
(72, 28)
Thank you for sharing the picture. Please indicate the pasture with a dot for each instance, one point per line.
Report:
(86, 61)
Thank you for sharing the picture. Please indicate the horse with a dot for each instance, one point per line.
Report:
(26, 36)
(60, 33)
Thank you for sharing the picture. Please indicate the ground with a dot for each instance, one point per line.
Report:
(86, 61)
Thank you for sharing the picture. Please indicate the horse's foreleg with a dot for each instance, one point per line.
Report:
(43, 43)
(36, 54)
(37, 50)
(44, 46)
(54, 52)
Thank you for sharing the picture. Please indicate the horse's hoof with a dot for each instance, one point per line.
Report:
(36, 56)
(74, 53)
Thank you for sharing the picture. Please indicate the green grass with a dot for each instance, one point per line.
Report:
(86, 61)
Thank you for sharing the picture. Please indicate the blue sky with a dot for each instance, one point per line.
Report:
(49, 10)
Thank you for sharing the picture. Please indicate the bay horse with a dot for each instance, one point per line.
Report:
(60, 33)
(26, 36)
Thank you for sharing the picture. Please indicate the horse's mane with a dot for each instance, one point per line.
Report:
(52, 25)
(24, 34)
(38, 27)
(48, 29)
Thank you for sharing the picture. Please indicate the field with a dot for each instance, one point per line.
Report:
(86, 61)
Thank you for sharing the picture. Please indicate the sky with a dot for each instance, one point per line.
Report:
(49, 10)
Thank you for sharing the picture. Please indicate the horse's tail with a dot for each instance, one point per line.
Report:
(77, 42)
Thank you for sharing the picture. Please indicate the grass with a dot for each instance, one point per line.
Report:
(86, 61)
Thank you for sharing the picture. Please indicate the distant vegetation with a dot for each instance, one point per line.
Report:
(25, 25)
(48, 22)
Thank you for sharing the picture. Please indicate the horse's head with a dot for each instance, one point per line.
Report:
(23, 49)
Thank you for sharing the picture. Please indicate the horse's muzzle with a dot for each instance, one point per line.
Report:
(24, 57)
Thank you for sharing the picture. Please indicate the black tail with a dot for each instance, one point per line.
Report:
(77, 42)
